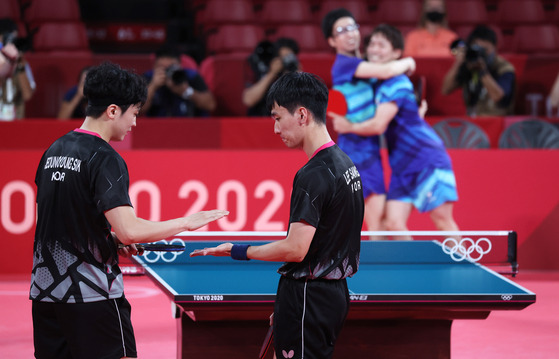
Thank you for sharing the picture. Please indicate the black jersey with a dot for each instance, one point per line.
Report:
(75, 259)
(327, 195)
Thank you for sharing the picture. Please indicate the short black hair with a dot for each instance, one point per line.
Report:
(330, 19)
(286, 42)
(7, 25)
(108, 84)
(168, 50)
(482, 32)
(304, 89)
(391, 33)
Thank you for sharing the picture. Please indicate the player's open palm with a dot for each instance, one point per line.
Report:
(223, 250)
(200, 219)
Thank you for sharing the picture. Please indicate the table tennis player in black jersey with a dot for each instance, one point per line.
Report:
(323, 239)
(77, 290)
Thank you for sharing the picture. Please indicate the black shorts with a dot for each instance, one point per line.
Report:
(100, 330)
(308, 316)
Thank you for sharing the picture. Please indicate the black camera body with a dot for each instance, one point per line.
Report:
(473, 52)
(263, 55)
(176, 74)
(8, 38)
(290, 63)
(22, 44)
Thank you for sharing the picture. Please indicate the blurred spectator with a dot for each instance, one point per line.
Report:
(487, 80)
(174, 91)
(17, 84)
(74, 103)
(267, 63)
(432, 37)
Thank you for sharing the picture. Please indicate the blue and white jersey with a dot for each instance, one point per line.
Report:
(364, 151)
(358, 92)
(412, 144)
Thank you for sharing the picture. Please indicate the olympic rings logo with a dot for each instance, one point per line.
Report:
(152, 257)
(459, 251)
(506, 297)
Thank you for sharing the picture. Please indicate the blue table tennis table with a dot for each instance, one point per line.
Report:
(403, 300)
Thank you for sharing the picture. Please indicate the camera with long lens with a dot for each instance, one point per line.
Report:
(176, 74)
(473, 52)
(262, 56)
(22, 44)
(290, 63)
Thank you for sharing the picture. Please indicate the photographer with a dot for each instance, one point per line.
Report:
(174, 91)
(487, 79)
(267, 63)
(16, 79)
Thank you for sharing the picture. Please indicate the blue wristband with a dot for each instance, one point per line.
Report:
(239, 252)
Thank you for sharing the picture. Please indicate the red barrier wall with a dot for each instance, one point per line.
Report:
(499, 190)
(199, 133)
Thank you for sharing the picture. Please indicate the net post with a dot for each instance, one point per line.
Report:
(512, 251)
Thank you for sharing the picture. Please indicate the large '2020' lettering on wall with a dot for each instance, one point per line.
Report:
(238, 220)
(9, 194)
(13, 192)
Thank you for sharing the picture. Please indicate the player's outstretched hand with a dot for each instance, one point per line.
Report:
(223, 250)
(200, 219)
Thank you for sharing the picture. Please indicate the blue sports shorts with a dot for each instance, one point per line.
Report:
(426, 190)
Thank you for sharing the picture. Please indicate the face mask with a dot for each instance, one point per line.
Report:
(435, 16)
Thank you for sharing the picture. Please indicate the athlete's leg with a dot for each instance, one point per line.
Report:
(442, 217)
(444, 221)
(397, 214)
(374, 213)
